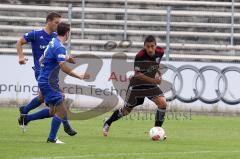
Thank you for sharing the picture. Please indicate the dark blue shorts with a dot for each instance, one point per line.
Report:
(52, 95)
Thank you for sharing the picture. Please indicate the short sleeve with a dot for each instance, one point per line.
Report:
(30, 36)
(160, 52)
(61, 54)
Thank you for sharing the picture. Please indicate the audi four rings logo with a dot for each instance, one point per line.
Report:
(198, 91)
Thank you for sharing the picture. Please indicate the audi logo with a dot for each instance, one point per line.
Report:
(221, 79)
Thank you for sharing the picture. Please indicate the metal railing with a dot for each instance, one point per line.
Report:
(126, 22)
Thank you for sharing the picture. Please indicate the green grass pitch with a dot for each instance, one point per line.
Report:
(207, 137)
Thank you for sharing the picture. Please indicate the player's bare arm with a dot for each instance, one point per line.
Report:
(70, 59)
(141, 76)
(71, 72)
(19, 44)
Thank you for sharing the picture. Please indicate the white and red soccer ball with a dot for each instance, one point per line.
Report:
(157, 134)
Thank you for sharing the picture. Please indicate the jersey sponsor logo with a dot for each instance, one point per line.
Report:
(153, 68)
(61, 56)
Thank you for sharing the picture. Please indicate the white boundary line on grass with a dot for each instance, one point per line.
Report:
(133, 154)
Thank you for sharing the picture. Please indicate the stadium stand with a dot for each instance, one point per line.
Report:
(199, 30)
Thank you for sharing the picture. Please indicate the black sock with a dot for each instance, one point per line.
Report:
(160, 116)
(117, 114)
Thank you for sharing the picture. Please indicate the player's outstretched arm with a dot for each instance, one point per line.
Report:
(20, 53)
(70, 59)
(72, 73)
(147, 79)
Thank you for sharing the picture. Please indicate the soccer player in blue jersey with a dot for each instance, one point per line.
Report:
(39, 40)
(53, 60)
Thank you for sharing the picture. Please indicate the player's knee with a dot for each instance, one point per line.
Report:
(161, 102)
(60, 114)
(61, 111)
(51, 114)
(41, 98)
(52, 111)
(126, 111)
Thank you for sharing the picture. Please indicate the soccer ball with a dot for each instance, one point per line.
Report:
(157, 133)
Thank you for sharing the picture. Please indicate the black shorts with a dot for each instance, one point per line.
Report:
(135, 95)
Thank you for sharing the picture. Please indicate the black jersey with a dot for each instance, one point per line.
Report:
(148, 65)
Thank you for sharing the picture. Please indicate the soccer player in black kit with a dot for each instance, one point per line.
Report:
(144, 83)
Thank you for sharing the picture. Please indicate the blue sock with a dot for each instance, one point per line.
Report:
(66, 123)
(32, 105)
(56, 122)
(44, 113)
